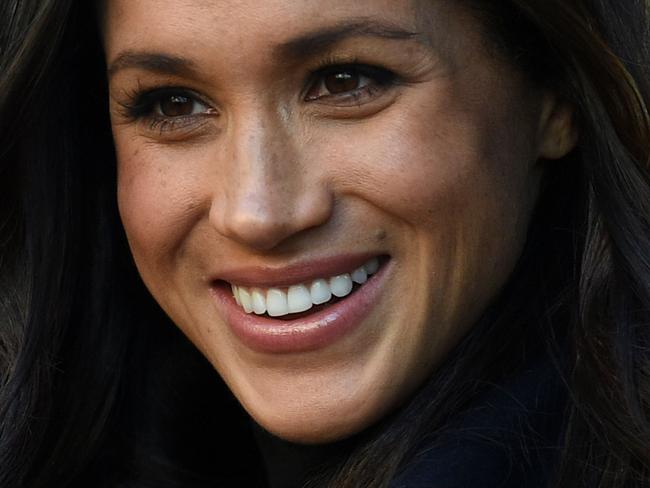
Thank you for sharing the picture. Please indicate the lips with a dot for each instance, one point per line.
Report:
(258, 313)
(277, 301)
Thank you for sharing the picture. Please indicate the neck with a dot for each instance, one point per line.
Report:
(290, 465)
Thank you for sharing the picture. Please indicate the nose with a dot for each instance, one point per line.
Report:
(268, 193)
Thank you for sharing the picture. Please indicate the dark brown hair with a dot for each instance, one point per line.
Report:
(585, 275)
(89, 396)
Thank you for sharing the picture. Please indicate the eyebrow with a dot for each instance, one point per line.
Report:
(164, 64)
(302, 47)
(317, 42)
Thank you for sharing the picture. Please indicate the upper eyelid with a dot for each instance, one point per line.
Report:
(141, 100)
(155, 94)
(328, 64)
(379, 73)
(356, 65)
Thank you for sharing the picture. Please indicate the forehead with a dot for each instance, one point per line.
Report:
(192, 23)
(255, 11)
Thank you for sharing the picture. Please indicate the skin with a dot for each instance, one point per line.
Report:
(440, 172)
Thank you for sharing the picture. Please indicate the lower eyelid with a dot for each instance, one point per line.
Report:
(162, 125)
(372, 90)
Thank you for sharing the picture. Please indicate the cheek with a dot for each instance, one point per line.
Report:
(158, 202)
(461, 183)
(438, 164)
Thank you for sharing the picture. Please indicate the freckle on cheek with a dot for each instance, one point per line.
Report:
(380, 235)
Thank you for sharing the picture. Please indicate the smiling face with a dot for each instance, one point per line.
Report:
(273, 153)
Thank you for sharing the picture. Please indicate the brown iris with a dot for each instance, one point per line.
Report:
(341, 82)
(176, 106)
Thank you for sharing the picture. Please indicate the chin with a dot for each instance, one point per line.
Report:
(330, 416)
(313, 428)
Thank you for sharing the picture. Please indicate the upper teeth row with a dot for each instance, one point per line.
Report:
(299, 298)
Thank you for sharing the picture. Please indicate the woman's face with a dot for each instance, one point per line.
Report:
(292, 148)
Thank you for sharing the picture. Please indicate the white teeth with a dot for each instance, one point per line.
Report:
(246, 300)
(302, 297)
(259, 301)
(320, 292)
(235, 292)
(299, 299)
(276, 303)
(341, 285)
(372, 266)
(360, 276)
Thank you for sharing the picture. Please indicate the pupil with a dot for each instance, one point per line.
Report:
(341, 82)
(176, 106)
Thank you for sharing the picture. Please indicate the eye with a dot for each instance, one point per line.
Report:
(355, 82)
(178, 105)
(167, 110)
(343, 81)
(165, 103)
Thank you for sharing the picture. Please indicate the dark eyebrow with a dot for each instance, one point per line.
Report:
(317, 42)
(150, 61)
(302, 47)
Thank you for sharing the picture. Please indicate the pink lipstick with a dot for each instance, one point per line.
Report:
(313, 329)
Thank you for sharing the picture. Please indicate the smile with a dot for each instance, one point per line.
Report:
(304, 307)
(281, 301)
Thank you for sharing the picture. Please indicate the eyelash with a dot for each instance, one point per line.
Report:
(142, 104)
(382, 78)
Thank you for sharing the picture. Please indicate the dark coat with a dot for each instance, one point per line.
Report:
(508, 438)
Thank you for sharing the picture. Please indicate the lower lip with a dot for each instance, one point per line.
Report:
(307, 333)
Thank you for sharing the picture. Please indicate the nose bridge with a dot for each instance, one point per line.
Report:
(268, 194)
(261, 149)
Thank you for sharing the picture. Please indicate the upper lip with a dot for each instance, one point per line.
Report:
(293, 273)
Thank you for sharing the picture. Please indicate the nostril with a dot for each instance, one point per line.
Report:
(250, 225)
(261, 234)
(267, 218)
